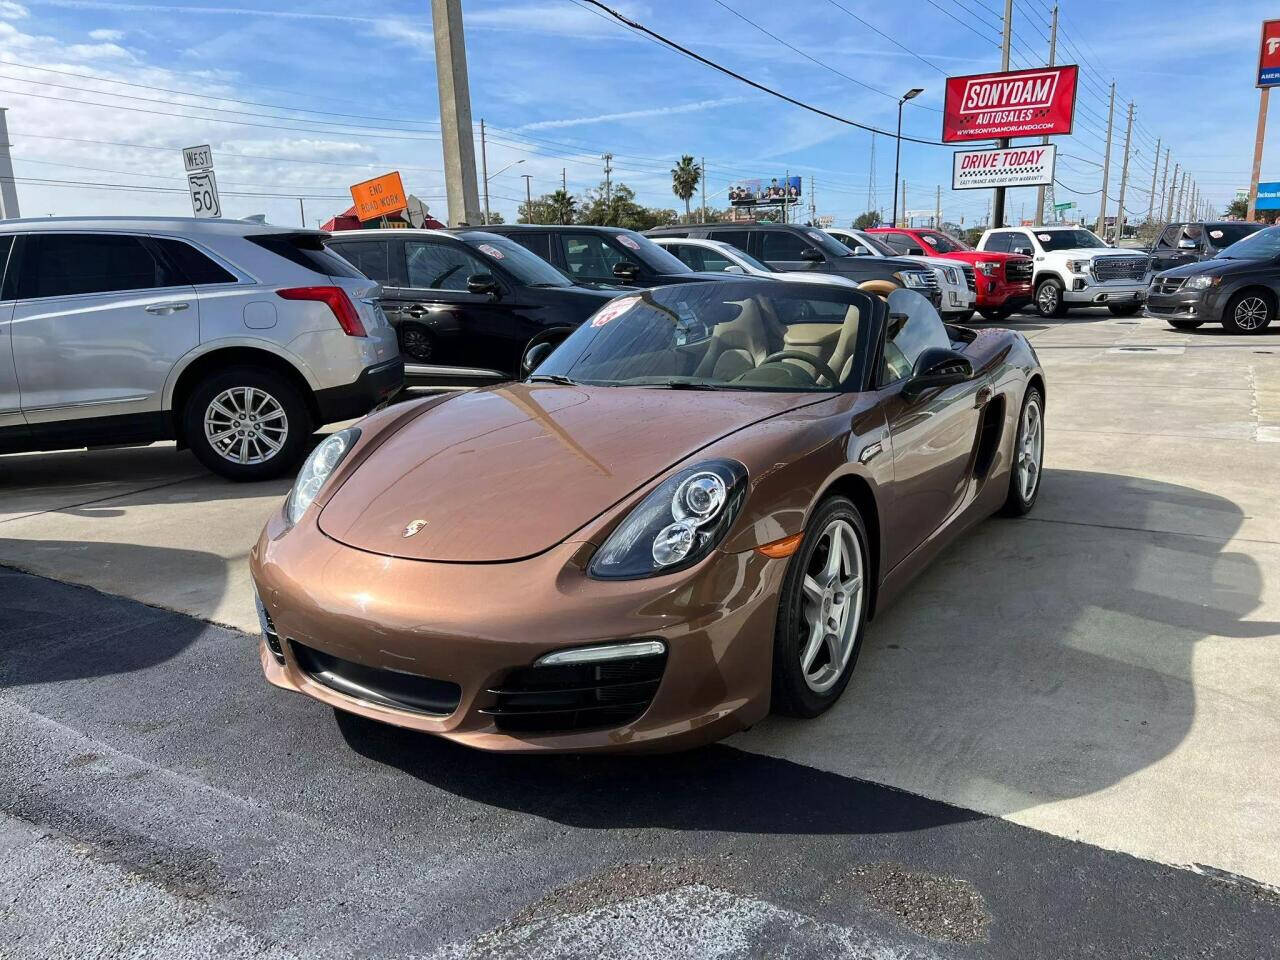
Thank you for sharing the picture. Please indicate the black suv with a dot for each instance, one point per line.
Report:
(601, 256)
(1239, 287)
(469, 304)
(1183, 243)
(790, 247)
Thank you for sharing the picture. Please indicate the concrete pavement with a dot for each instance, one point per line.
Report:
(1106, 670)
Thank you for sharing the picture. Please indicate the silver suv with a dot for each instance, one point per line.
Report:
(235, 339)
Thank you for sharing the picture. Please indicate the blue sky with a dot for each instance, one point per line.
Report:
(316, 97)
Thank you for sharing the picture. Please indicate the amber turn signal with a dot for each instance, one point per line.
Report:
(781, 548)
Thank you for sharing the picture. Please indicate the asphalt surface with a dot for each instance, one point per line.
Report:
(158, 799)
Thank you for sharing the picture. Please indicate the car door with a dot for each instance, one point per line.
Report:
(100, 321)
(481, 330)
(13, 426)
(933, 434)
(687, 253)
(590, 258)
(784, 250)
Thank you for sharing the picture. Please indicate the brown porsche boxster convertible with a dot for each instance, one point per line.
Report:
(686, 516)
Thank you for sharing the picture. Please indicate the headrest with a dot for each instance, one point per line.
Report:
(880, 288)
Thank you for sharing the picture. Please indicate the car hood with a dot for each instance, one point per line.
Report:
(1105, 252)
(1210, 267)
(510, 471)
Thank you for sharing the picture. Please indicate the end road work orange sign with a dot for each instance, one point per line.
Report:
(379, 197)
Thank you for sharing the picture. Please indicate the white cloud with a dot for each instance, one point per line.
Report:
(98, 51)
(13, 11)
(106, 36)
(633, 114)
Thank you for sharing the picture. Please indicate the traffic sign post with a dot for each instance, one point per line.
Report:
(201, 183)
(1268, 77)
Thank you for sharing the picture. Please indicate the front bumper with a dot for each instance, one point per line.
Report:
(1082, 290)
(994, 292)
(374, 386)
(473, 625)
(1201, 305)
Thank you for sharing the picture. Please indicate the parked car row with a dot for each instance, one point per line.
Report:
(1238, 286)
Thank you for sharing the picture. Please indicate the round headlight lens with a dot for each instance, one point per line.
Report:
(699, 498)
(673, 543)
(316, 470)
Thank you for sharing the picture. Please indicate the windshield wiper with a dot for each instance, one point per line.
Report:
(550, 378)
(684, 385)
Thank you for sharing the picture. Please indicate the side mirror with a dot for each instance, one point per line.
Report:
(537, 353)
(1186, 244)
(625, 270)
(1023, 251)
(938, 367)
(812, 254)
(915, 251)
(861, 251)
(481, 284)
(733, 268)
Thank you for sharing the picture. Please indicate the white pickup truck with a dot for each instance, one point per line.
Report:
(1073, 268)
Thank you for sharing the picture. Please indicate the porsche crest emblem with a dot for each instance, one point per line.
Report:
(413, 528)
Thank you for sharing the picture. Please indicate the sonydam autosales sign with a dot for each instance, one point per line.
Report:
(1030, 166)
(1020, 103)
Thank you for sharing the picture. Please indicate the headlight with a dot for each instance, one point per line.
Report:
(1078, 266)
(952, 275)
(1203, 282)
(915, 278)
(988, 268)
(322, 462)
(675, 526)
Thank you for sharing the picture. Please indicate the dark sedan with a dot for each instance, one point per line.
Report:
(1239, 288)
(468, 304)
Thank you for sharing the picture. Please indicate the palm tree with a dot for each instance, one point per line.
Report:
(685, 177)
(562, 206)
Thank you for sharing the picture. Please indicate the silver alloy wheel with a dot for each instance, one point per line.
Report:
(246, 425)
(1047, 298)
(1030, 448)
(832, 609)
(1251, 313)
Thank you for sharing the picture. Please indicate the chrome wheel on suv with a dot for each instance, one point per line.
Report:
(246, 425)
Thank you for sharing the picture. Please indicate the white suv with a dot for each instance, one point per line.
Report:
(1073, 268)
(236, 339)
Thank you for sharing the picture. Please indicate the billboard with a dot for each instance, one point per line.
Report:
(1269, 196)
(1269, 54)
(378, 197)
(1019, 103)
(1010, 167)
(749, 193)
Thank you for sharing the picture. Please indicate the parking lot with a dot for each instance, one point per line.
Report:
(1059, 742)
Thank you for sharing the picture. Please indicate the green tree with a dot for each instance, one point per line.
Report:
(562, 206)
(618, 208)
(865, 221)
(496, 217)
(1238, 208)
(685, 177)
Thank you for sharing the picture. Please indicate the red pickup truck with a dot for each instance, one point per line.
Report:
(1002, 281)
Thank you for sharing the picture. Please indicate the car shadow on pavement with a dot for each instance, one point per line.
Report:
(1038, 659)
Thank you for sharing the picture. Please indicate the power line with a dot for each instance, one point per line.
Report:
(875, 29)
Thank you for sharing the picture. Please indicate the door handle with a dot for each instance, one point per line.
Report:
(164, 308)
(982, 398)
(417, 311)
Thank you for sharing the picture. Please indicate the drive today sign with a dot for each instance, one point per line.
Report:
(1030, 166)
(1020, 103)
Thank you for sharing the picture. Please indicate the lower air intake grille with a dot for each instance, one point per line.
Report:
(575, 696)
(386, 688)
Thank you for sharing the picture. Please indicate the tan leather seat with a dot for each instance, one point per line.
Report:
(879, 288)
(737, 345)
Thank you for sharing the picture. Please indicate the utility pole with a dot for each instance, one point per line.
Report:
(528, 198)
(608, 197)
(906, 220)
(302, 214)
(1264, 99)
(1151, 197)
(455, 112)
(8, 189)
(484, 172)
(1124, 176)
(813, 203)
(937, 208)
(1182, 192)
(998, 213)
(564, 180)
(1173, 190)
(1164, 180)
(872, 199)
(1106, 165)
(702, 182)
(1041, 216)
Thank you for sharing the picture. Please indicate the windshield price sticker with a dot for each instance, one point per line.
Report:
(611, 311)
(628, 242)
(492, 251)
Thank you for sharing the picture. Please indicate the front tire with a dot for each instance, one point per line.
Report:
(1124, 309)
(1028, 457)
(822, 611)
(247, 423)
(1049, 302)
(1249, 311)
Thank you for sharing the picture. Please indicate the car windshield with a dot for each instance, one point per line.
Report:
(736, 335)
(867, 240)
(829, 244)
(1223, 235)
(742, 257)
(649, 253)
(1262, 245)
(524, 265)
(1068, 239)
(942, 243)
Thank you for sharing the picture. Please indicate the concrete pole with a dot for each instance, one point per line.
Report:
(937, 208)
(302, 214)
(1264, 98)
(8, 189)
(528, 198)
(1106, 165)
(702, 182)
(455, 112)
(1124, 177)
(1173, 192)
(484, 172)
(998, 212)
(1041, 213)
(1151, 197)
(1164, 180)
(608, 205)
(906, 220)
(1182, 192)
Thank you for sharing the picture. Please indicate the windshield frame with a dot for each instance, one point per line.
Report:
(1266, 237)
(960, 245)
(564, 362)
(513, 253)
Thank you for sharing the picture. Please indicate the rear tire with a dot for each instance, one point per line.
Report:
(247, 423)
(1022, 495)
(1185, 324)
(822, 617)
(1249, 311)
(1049, 302)
(1125, 309)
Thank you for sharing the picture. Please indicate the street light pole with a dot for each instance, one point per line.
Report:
(897, 156)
